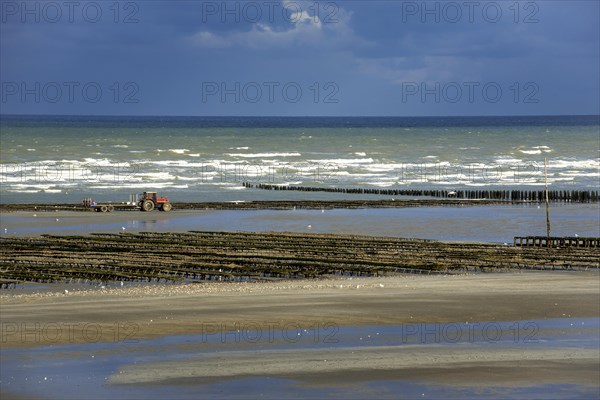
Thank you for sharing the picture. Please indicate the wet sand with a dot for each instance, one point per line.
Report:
(59, 221)
(123, 314)
(472, 366)
(161, 310)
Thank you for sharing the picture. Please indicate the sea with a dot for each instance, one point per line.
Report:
(62, 159)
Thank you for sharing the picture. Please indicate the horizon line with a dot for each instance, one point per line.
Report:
(296, 116)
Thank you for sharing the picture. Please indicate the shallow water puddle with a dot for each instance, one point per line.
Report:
(87, 371)
(438, 223)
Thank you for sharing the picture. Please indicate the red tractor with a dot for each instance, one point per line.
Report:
(149, 201)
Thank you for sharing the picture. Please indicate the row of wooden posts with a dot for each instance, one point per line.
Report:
(574, 196)
(557, 242)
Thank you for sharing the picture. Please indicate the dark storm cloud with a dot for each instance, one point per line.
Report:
(366, 51)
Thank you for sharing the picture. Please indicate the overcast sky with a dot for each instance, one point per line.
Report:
(297, 58)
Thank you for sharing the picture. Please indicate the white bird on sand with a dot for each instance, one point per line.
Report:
(576, 235)
(123, 228)
(309, 226)
(56, 219)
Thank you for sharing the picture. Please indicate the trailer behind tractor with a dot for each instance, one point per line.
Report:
(147, 201)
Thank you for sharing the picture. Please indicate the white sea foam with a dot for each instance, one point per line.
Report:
(62, 161)
(384, 167)
(363, 175)
(579, 164)
(46, 187)
(223, 184)
(157, 185)
(288, 183)
(474, 184)
(100, 162)
(343, 161)
(509, 160)
(566, 179)
(154, 175)
(263, 155)
(200, 177)
(578, 173)
(380, 184)
(499, 170)
(171, 163)
(409, 167)
(121, 146)
(203, 165)
(537, 151)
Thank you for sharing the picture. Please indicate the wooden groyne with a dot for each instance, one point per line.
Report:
(557, 242)
(572, 196)
(239, 256)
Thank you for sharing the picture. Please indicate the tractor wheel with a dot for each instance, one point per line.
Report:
(111, 208)
(166, 207)
(147, 205)
(104, 209)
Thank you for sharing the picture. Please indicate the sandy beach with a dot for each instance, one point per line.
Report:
(474, 366)
(161, 310)
(130, 315)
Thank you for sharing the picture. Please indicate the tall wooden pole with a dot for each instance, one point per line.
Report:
(547, 205)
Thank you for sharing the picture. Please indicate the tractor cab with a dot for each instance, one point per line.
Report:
(150, 200)
(148, 196)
